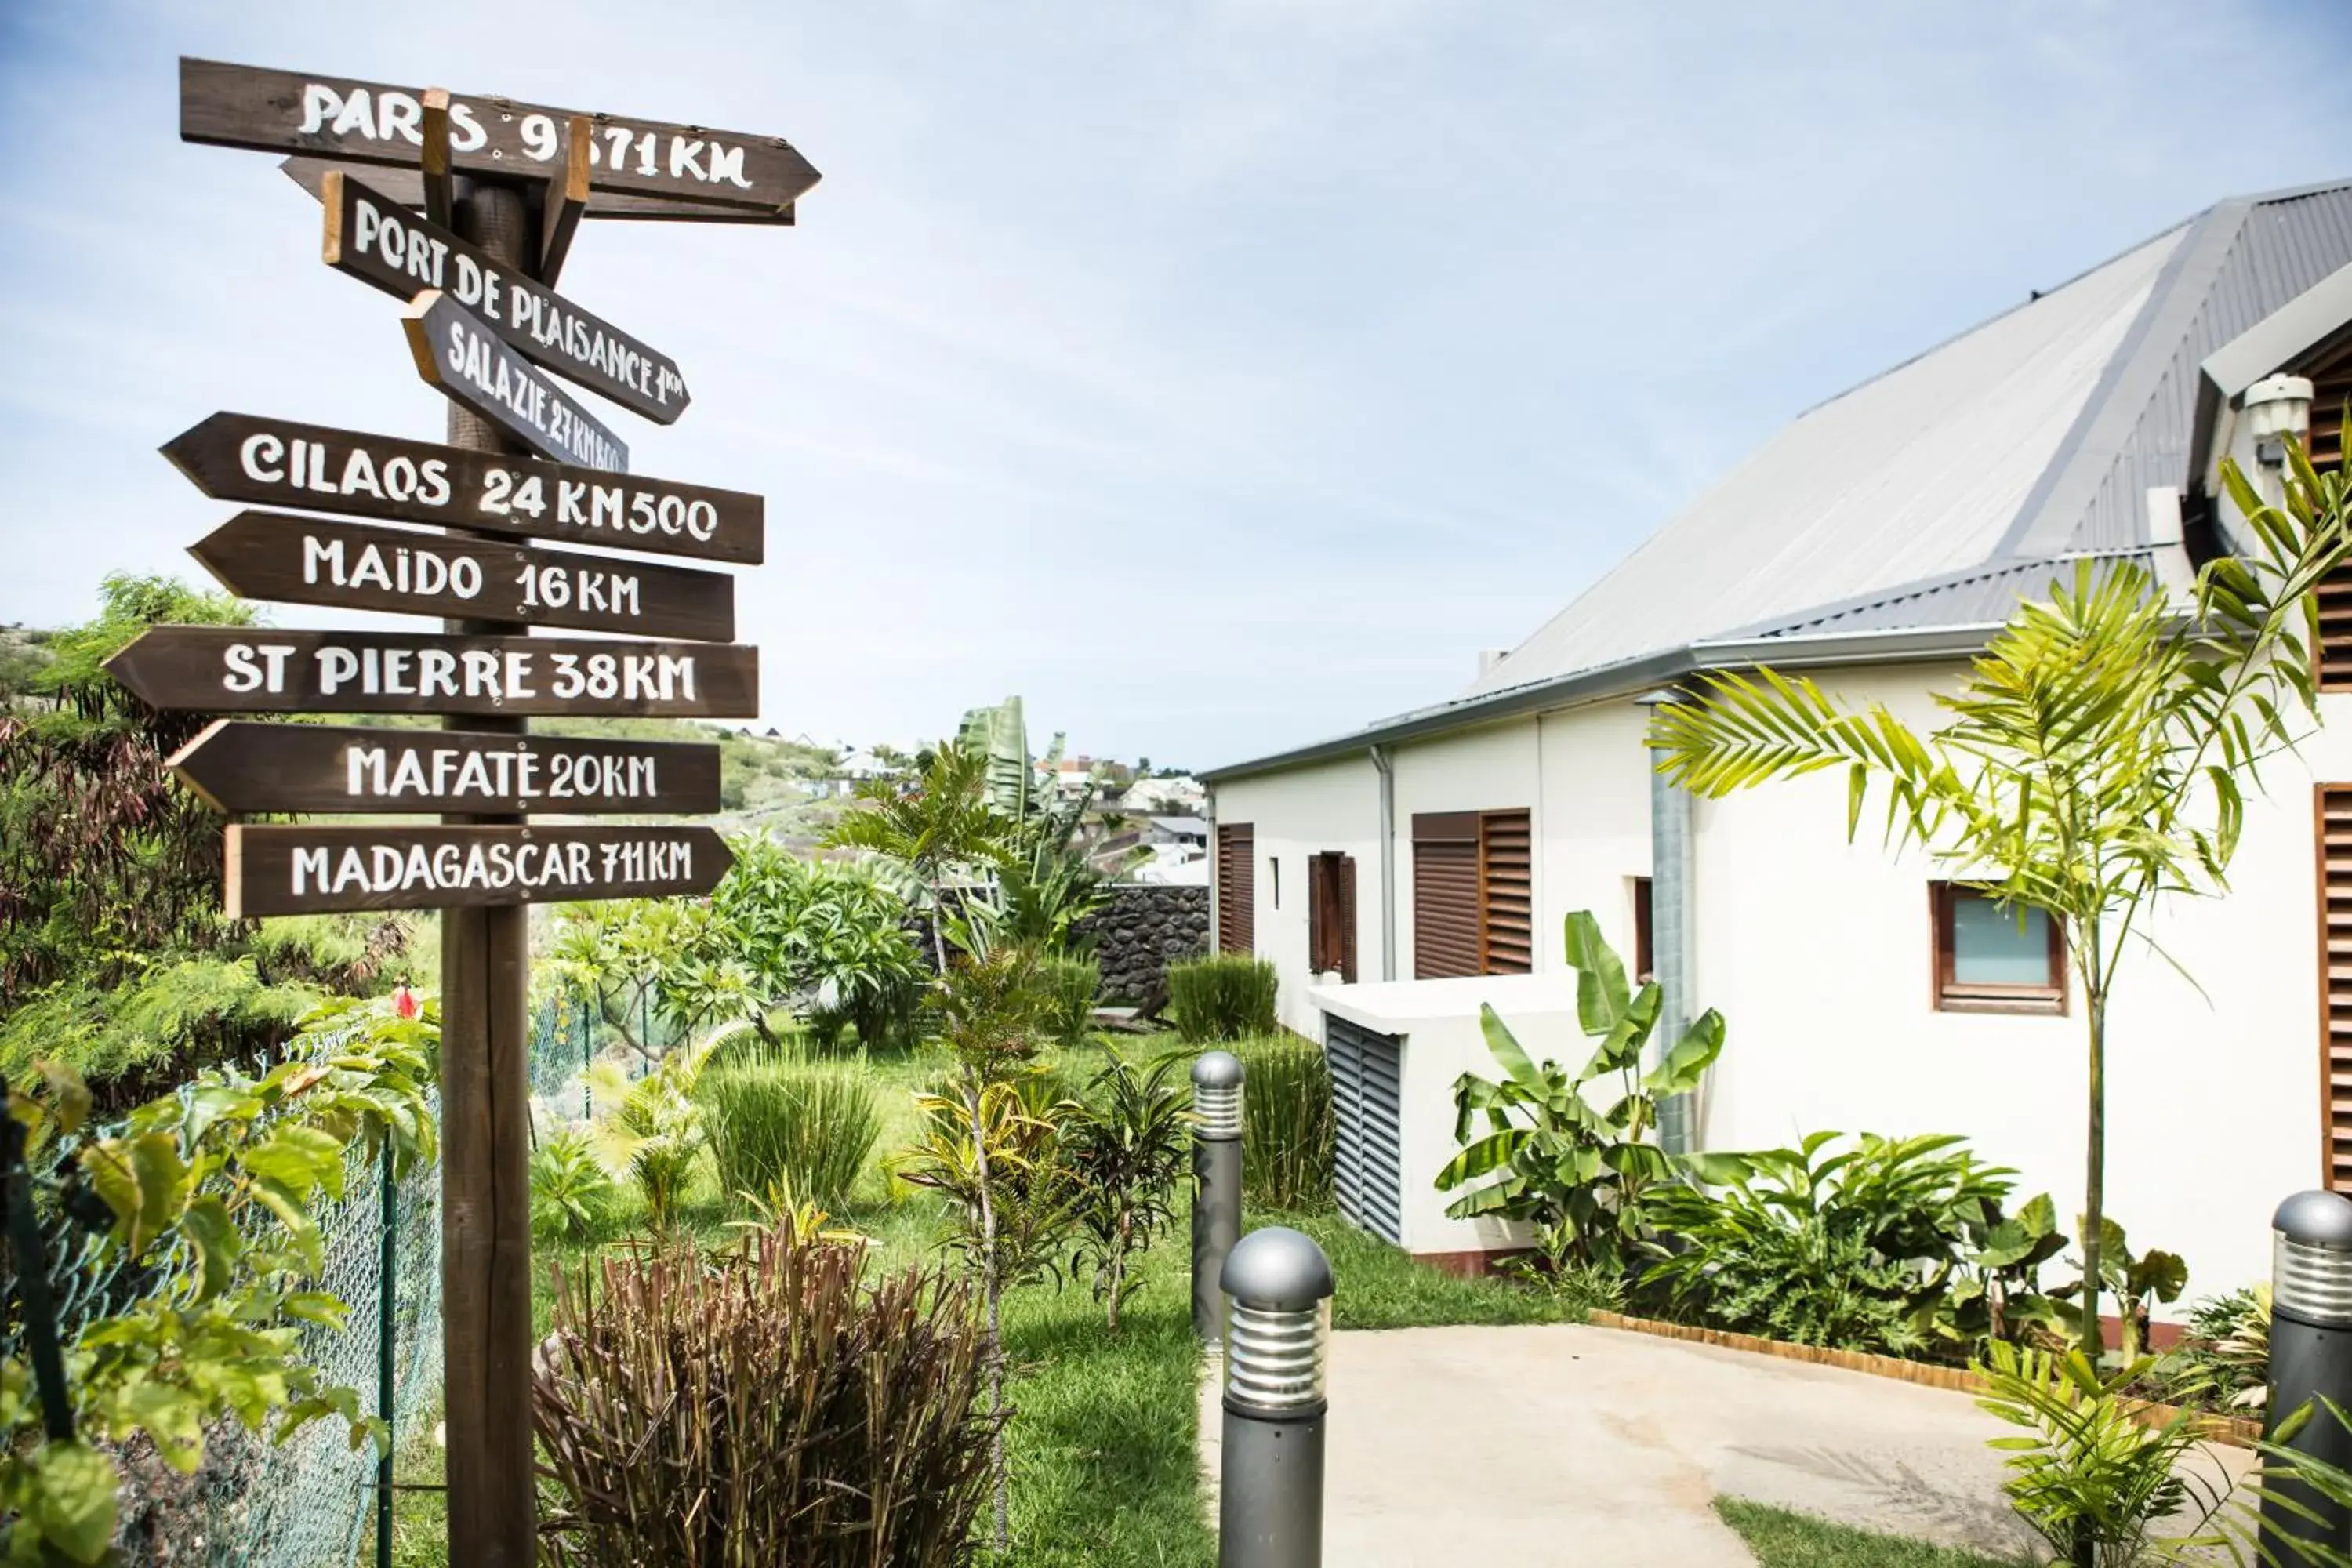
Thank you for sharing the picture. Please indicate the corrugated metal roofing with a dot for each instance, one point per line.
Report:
(1980, 596)
(1915, 473)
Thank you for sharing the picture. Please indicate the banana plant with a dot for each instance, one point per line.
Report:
(1571, 1155)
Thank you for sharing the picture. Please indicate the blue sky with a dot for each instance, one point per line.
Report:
(1218, 376)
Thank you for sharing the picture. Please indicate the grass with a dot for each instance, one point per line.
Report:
(1778, 1538)
(1104, 1442)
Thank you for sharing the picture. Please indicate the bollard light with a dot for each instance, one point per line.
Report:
(2311, 1354)
(1217, 1182)
(1277, 1345)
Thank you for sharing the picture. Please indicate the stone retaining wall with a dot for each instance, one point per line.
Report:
(1147, 926)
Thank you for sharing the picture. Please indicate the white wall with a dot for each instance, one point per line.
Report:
(1292, 816)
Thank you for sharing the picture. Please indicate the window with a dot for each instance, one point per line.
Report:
(1236, 893)
(1473, 894)
(2331, 387)
(1331, 915)
(1645, 959)
(1992, 959)
(1273, 872)
(2332, 834)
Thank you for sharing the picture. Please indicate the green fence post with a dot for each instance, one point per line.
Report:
(386, 1328)
(32, 1261)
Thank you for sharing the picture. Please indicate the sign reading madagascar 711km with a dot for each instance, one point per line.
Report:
(302, 871)
(316, 468)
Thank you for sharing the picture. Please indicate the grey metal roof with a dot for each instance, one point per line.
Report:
(1928, 499)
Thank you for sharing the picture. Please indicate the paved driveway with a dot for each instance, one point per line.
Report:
(1580, 1446)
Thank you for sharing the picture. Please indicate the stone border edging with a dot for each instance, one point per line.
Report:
(2235, 1431)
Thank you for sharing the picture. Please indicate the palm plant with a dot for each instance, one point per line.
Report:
(652, 1128)
(2095, 758)
(938, 823)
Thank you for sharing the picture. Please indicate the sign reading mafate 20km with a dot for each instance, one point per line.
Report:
(315, 468)
(378, 242)
(457, 353)
(305, 561)
(297, 870)
(249, 670)
(240, 765)
(369, 123)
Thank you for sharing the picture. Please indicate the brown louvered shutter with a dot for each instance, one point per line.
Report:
(1332, 914)
(1506, 894)
(1343, 883)
(1236, 888)
(1444, 894)
(2331, 387)
(2334, 851)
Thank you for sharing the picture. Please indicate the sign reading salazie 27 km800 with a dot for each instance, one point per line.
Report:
(369, 123)
(459, 354)
(315, 468)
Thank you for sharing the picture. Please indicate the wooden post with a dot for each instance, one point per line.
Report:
(486, 1113)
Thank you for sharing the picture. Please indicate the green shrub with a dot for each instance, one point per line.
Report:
(1072, 986)
(1225, 997)
(776, 1122)
(572, 1194)
(811, 1418)
(1288, 1124)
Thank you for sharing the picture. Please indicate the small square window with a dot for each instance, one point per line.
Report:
(1644, 964)
(1996, 958)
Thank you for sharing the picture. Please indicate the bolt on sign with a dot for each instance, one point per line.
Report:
(503, 186)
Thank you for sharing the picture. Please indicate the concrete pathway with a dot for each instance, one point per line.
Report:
(1577, 1445)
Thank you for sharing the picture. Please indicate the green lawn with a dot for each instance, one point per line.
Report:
(1103, 1442)
(1780, 1539)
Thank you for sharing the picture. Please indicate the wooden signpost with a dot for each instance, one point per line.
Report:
(313, 467)
(303, 561)
(375, 240)
(456, 351)
(252, 669)
(242, 766)
(502, 187)
(304, 870)
(369, 123)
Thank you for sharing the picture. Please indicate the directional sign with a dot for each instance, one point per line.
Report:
(240, 765)
(313, 467)
(305, 561)
(300, 870)
(369, 123)
(457, 353)
(253, 669)
(406, 187)
(375, 239)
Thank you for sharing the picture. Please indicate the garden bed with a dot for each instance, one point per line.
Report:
(2235, 1431)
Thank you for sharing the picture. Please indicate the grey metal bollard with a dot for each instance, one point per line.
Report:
(2311, 1353)
(1270, 1498)
(1217, 1184)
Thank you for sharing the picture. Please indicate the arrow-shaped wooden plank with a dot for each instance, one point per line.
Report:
(299, 870)
(376, 240)
(243, 765)
(371, 122)
(254, 669)
(315, 468)
(456, 351)
(306, 561)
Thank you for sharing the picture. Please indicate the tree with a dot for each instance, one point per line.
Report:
(2095, 759)
(937, 823)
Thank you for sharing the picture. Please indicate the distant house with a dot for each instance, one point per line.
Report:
(1875, 541)
(1189, 831)
(1171, 795)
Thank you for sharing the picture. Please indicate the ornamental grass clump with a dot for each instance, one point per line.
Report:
(776, 1122)
(763, 1407)
(1289, 1125)
(1225, 997)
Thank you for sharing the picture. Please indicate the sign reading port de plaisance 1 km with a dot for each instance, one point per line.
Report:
(305, 561)
(315, 468)
(473, 366)
(241, 765)
(375, 240)
(302, 871)
(371, 123)
(248, 669)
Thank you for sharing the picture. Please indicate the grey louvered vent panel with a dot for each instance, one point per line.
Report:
(1368, 1168)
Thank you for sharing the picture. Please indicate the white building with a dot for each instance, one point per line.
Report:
(1875, 542)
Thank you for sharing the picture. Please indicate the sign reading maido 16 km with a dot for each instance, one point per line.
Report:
(468, 210)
